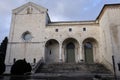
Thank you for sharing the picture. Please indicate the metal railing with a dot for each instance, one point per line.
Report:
(35, 67)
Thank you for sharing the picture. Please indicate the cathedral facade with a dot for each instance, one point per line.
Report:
(34, 37)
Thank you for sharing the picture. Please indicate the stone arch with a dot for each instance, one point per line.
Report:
(62, 41)
(90, 50)
(70, 50)
(52, 51)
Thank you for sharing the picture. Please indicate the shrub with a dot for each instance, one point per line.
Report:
(28, 68)
(20, 67)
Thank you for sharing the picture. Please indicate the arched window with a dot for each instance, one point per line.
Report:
(70, 46)
(88, 45)
(27, 36)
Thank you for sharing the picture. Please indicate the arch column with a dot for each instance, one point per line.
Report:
(44, 51)
(80, 54)
(60, 52)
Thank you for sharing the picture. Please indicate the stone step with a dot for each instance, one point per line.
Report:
(72, 67)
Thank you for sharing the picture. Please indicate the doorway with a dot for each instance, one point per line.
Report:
(88, 51)
(70, 56)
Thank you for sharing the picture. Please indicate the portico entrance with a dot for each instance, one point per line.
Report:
(70, 49)
(88, 48)
(52, 51)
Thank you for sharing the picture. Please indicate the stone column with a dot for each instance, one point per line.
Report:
(60, 52)
(78, 56)
(80, 53)
(44, 52)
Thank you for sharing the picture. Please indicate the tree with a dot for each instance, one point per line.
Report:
(3, 48)
(2, 67)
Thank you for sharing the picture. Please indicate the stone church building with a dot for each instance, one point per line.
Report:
(34, 37)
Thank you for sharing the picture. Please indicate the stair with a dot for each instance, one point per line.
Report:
(73, 68)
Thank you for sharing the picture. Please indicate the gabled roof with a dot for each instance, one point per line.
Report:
(17, 10)
(104, 7)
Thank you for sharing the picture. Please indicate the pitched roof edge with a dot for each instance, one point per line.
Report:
(105, 6)
(25, 5)
(73, 23)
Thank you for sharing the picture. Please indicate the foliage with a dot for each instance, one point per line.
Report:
(3, 48)
(2, 67)
(20, 67)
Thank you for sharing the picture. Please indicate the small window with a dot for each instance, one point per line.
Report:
(34, 60)
(84, 29)
(56, 30)
(70, 29)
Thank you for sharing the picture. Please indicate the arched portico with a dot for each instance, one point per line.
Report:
(89, 50)
(70, 50)
(52, 51)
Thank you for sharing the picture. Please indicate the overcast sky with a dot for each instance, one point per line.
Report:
(59, 10)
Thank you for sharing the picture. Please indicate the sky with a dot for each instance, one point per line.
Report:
(58, 10)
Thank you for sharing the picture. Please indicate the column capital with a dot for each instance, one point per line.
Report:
(60, 42)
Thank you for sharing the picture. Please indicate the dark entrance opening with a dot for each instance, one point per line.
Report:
(70, 47)
(88, 50)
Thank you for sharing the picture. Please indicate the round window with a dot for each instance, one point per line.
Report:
(27, 36)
